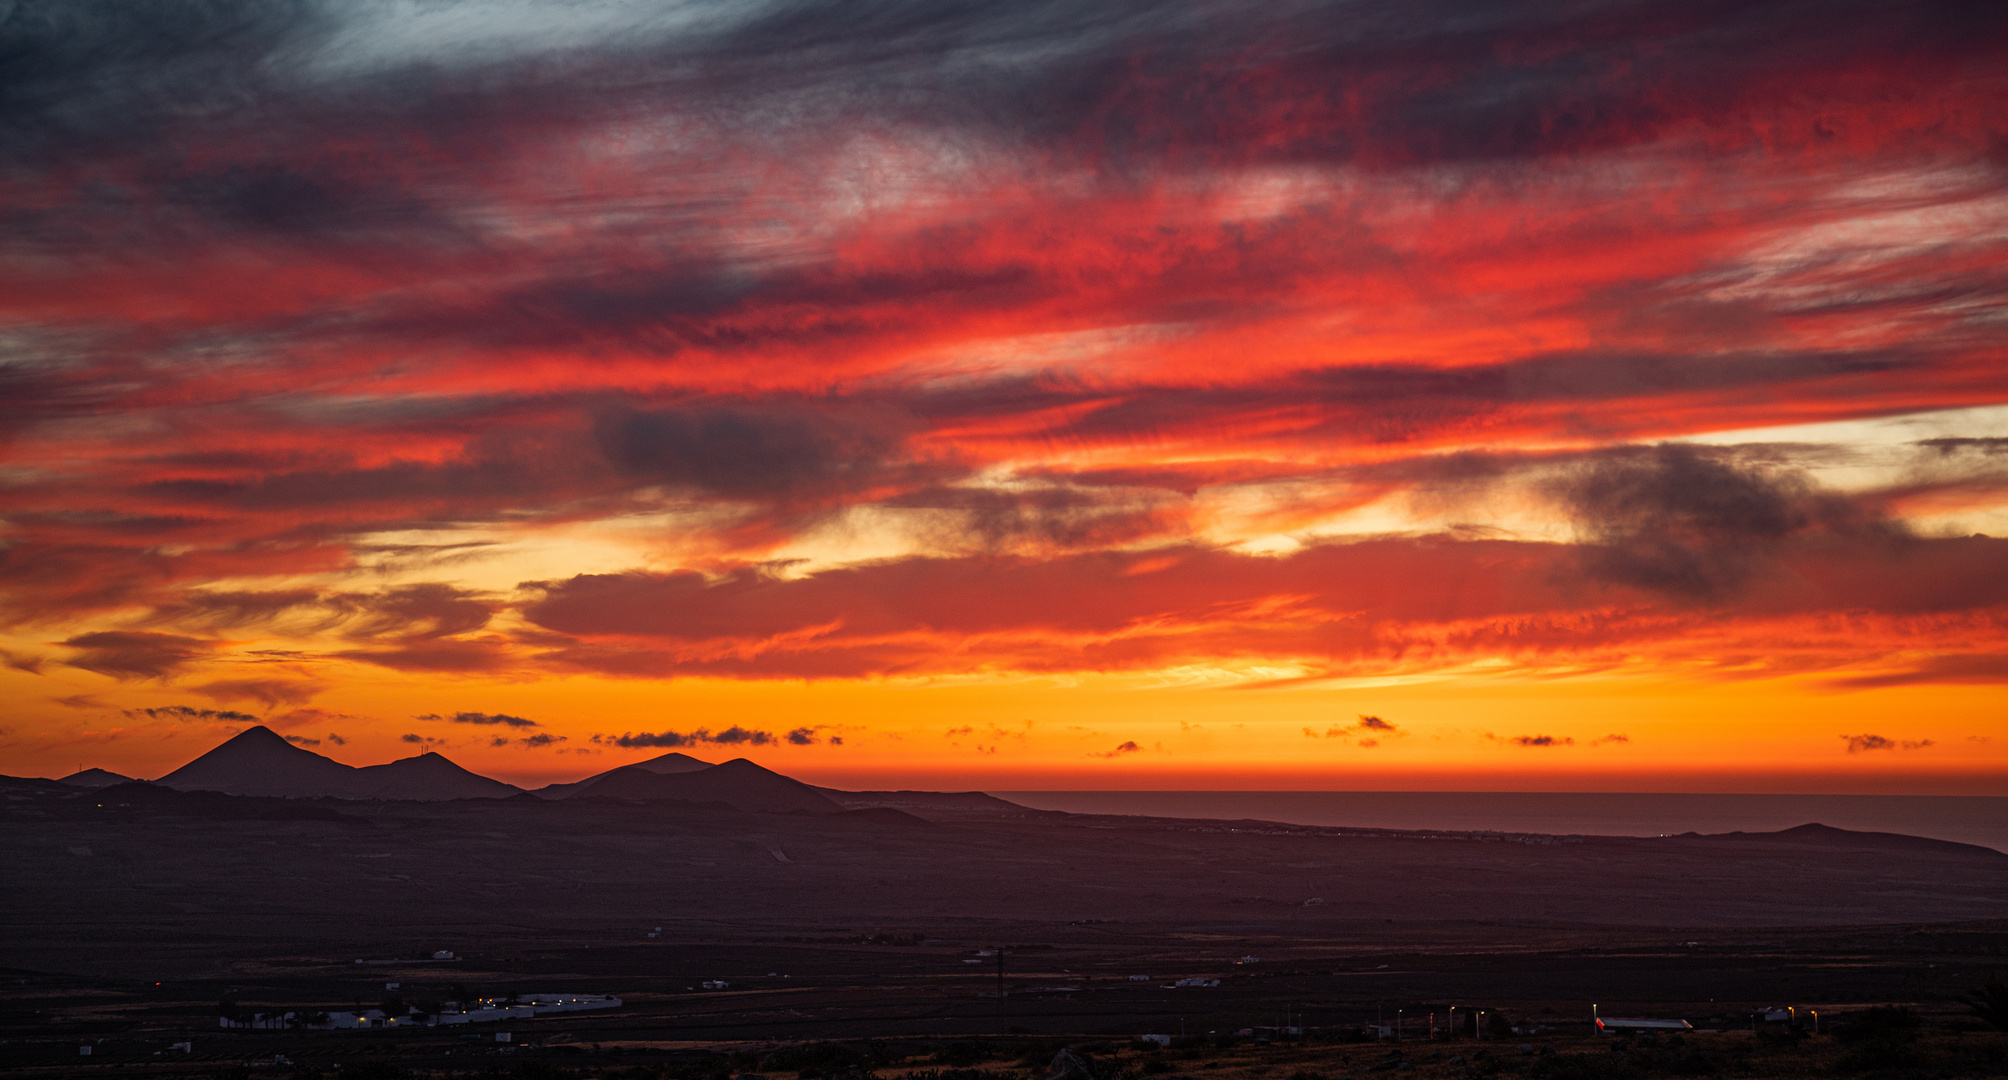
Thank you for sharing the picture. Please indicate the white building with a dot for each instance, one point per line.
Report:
(526, 1006)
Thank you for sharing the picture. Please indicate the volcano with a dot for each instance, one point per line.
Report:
(259, 761)
(667, 764)
(738, 783)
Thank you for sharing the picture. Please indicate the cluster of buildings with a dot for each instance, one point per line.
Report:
(483, 1011)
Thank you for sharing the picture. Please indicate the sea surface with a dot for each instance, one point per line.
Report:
(1968, 819)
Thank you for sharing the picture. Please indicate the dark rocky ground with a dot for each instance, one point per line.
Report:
(129, 913)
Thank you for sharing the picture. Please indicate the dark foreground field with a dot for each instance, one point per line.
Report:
(129, 914)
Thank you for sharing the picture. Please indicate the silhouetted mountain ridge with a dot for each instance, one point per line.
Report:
(1816, 833)
(667, 764)
(964, 801)
(95, 778)
(739, 783)
(260, 762)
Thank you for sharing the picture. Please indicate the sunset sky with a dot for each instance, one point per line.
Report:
(1549, 396)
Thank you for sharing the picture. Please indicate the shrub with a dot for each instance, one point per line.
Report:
(1990, 1004)
(815, 1059)
(1884, 1023)
(1876, 1056)
(963, 1054)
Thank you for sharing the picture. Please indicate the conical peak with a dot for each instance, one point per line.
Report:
(740, 764)
(672, 762)
(260, 740)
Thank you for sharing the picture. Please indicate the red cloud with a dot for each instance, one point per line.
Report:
(1425, 602)
(127, 654)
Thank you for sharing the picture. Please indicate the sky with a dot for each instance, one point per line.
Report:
(1587, 395)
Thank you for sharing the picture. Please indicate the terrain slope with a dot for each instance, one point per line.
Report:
(98, 878)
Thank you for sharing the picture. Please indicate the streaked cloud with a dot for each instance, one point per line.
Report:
(471, 346)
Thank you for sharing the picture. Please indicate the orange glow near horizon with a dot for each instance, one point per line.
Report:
(1139, 405)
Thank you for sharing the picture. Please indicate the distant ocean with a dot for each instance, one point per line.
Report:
(1969, 819)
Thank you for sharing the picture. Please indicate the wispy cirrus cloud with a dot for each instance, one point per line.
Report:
(190, 712)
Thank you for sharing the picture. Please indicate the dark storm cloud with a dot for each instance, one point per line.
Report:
(135, 654)
(1689, 521)
(481, 718)
(189, 712)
